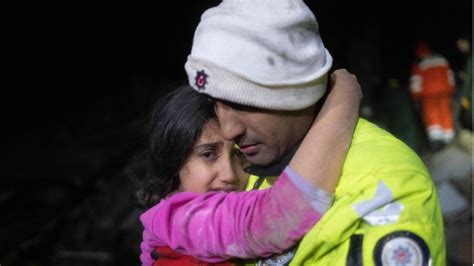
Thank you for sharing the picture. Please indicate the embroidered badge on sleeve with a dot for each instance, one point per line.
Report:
(401, 248)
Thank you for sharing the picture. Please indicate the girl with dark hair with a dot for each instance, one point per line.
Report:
(184, 141)
(208, 221)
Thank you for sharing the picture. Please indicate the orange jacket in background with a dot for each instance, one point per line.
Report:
(432, 77)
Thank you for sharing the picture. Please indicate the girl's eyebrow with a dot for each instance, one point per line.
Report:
(212, 145)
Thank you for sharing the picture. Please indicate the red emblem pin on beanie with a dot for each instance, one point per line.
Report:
(201, 79)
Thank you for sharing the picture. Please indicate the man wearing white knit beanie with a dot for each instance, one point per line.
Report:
(264, 63)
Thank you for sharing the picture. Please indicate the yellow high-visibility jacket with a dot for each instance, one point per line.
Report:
(386, 209)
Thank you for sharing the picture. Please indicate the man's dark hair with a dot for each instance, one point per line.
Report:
(175, 124)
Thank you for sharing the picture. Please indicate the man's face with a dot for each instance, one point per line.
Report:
(263, 135)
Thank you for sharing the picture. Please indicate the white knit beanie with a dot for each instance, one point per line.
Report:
(260, 53)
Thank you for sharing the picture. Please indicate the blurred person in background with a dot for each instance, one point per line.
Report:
(432, 85)
(465, 86)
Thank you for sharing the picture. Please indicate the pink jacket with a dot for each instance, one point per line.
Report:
(217, 226)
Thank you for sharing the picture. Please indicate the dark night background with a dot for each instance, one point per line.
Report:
(79, 83)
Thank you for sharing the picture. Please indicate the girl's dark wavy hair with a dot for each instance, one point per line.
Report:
(176, 122)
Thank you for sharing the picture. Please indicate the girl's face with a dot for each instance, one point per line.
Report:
(214, 164)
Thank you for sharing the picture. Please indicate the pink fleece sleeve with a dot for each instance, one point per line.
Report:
(216, 226)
